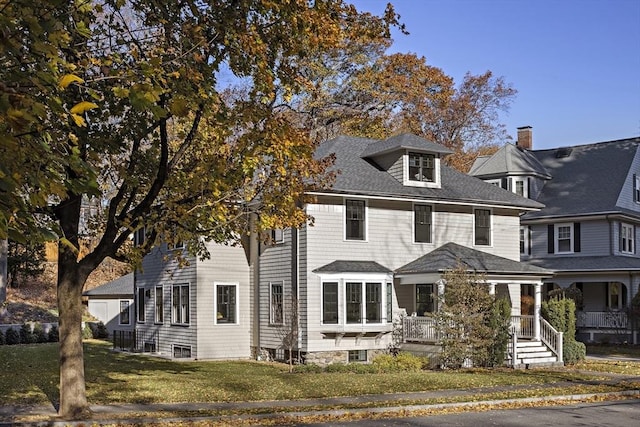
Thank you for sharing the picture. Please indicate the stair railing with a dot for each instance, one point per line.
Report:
(551, 338)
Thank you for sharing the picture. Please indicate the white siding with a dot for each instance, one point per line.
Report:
(390, 243)
(107, 310)
(158, 271)
(228, 265)
(625, 198)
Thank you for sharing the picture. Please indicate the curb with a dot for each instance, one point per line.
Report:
(290, 416)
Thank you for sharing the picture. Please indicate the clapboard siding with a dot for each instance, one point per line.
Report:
(158, 271)
(625, 198)
(227, 265)
(275, 266)
(597, 238)
(390, 243)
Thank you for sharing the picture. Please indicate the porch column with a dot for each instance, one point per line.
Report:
(492, 289)
(537, 302)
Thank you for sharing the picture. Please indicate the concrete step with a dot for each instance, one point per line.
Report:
(537, 360)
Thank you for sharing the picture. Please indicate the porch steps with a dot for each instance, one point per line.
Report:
(532, 353)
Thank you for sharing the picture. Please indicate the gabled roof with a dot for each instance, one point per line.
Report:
(121, 287)
(352, 267)
(510, 160)
(451, 255)
(405, 141)
(357, 176)
(587, 179)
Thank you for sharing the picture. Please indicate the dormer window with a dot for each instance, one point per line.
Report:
(421, 167)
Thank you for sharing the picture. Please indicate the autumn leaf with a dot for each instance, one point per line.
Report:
(79, 120)
(67, 79)
(83, 106)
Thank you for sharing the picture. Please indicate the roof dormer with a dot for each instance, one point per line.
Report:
(411, 160)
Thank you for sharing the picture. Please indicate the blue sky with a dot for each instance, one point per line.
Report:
(575, 63)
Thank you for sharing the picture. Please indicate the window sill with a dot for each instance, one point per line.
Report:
(357, 328)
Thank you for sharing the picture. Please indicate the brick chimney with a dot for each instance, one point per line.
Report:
(525, 137)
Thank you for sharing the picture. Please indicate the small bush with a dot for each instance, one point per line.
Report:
(1, 338)
(573, 351)
(12, 337)
(403, 362)
(38, 334)
(100, 331)
(26, 334)
(337, 367)
(54, 334)
(87, 332)
(310, 368)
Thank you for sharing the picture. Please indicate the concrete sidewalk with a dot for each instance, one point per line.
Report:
(174, 412)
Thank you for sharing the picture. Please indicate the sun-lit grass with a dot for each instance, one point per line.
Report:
(29, 374)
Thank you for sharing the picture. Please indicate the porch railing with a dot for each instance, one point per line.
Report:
(602, 319)
(420, 329)
(522, 326)
(138, 341)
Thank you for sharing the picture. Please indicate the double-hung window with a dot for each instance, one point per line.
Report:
(125, 316)
(277, 235)
(564, 238)
(159, 305)
(355, 226)
(226, 303)
(627, 238)
(353, 293)
(422, 223)
(180, 304)
(276, 311)
(373, 308)
(330, 302)
(482, 227)
(421, 167)
(140, 307)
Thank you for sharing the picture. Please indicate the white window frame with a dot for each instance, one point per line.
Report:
(525, 187)
(139, 236)
(182, 348)
(524, 238)
(236, 313)
(277, 235)
(141, 305)
(362, 278)
(436, 183)
(636, 188)
(413, 222)
(610, 293)
(158, 291)
(322, 284)
(490, 244)
(627, 238)
(128, 308)
(366, 220)
(272, 313)
(556, 237)
(181, 321)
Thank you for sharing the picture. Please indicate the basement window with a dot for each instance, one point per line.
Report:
(357, 356)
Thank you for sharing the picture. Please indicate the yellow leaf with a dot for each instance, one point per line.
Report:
(79, 120)
(67, 79)
(83, 106)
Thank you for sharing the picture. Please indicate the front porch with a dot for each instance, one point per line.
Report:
(535, 343)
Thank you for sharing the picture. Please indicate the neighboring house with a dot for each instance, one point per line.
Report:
(112, 303)
(587, 231)
(395, 219)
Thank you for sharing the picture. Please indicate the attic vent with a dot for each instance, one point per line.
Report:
(563, 152)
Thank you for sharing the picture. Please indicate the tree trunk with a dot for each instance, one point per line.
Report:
(3, 277)
(73, 398)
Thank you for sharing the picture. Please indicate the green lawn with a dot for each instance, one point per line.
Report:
(29, 374)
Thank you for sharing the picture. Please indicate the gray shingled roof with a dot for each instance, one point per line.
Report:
(356, 175)
(450, 255)
(587, 181)
(511, 160)
(588, 263)
(352, 267)
(404, 141)
(122, 286)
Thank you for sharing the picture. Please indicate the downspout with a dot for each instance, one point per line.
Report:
(254, 261)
